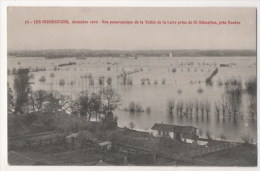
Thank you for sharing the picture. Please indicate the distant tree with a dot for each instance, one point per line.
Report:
(132, 106)
(202, 108)
(130, 81)
(62, 82)
(101, 82)
(148, 110)
(109, 81)
(197, 107)
(190, 108)
(42, 79)
(22, 89)
(233, 95)
(252, 106)
(207, 108)
(251, 86)
(163, 81)
(52, 75)
(171, 105)
(143, 81)
(217, 108)
(179, 107)
(223, 105)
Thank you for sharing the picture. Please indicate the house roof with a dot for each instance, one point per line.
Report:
(73, 135)
(105, 143)
(174, 128)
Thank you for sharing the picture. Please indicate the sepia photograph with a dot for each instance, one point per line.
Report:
(132, 86)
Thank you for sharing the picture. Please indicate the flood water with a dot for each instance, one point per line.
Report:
(182, 85)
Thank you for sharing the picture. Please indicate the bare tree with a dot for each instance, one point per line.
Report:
(191, 108)
(186, 106)
(109, 81)
(101, 82)
(111, 100)
(223, 105)
(197, 107)
(180, 108)
(171, 105)
(217, 108)
(252, 106)
(202, 107)
(233, 94)
(207, 108)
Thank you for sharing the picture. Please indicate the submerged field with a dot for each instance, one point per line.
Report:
(151, 82)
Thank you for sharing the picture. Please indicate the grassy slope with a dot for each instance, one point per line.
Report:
(244, 155)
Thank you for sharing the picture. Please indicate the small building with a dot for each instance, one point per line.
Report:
(106, 145)
(186, 134)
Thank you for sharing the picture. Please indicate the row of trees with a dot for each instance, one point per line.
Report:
(148, 82)
(181, 108)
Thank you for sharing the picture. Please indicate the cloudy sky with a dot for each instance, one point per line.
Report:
(128, 37)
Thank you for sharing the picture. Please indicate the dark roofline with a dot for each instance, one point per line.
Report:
(162, 124)
(174, 128)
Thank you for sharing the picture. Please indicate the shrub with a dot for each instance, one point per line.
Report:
(163, 81)
(246, 139)
(62, 82)
(200, 90)
(148, 110)
(143, 81)
(42, 79)
(31, 76)
(251, 86)
(134, 107)
(52, 75)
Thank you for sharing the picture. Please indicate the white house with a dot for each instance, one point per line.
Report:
(180, 133)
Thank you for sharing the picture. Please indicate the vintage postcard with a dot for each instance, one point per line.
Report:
(132, 86)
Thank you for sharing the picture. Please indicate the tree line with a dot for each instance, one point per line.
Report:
(23, 100)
